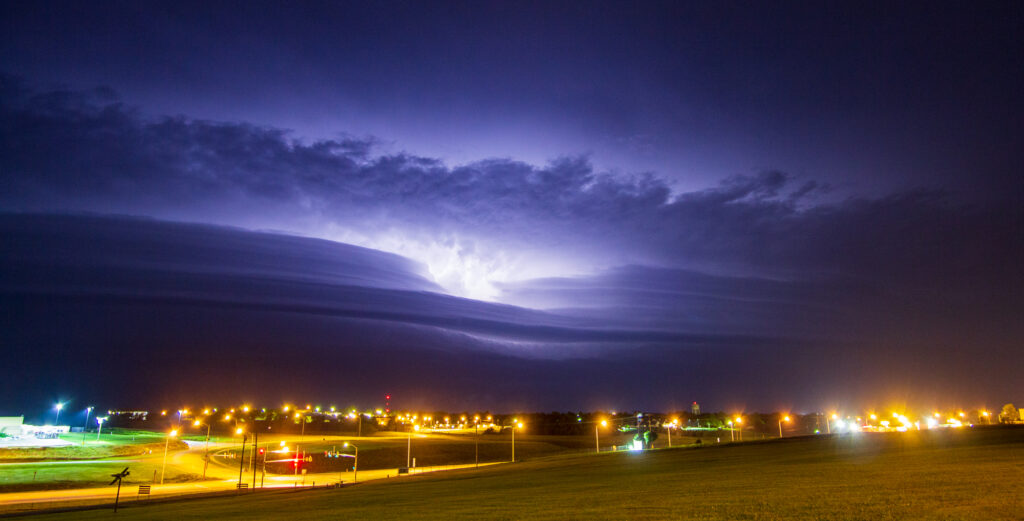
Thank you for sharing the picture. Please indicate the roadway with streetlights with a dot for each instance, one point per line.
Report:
(223, 475)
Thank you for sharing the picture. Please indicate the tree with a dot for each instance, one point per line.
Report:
(1009, 414)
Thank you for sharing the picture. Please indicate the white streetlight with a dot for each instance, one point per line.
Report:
(99, 430)
(58, 406)
(88, 411)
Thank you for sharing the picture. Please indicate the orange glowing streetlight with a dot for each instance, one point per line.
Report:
(783, 419)
(206, 454)
(241, 459)
(167, 442)
(668, 428)
(355, 466)
(515, 424)
(597, 441)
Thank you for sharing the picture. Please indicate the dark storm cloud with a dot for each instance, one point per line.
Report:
(151, 262)
(758, 269)
(84, 151)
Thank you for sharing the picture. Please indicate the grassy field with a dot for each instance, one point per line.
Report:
(88, 465)
(965, 474)
(121, 444)
(452, 449)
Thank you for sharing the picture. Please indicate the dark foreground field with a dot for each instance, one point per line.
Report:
(966, 474)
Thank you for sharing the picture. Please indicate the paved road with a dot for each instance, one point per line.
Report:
(222, 475)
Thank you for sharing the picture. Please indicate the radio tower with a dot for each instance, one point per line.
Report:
(387, 404)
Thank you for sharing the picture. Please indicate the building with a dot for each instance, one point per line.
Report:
(11, 425)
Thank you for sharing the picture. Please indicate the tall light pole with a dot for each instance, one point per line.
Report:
(56, 418)
(355, 466)
(732, 433)
(167, 443)
(739, 427)
(241, 457)
(99, 430)
(784, 419)
(597, 440)
(206, 455)
(302, 418)
(514, 425)
(408, 451)
(668, 428)
(88, 411)
(476, 440)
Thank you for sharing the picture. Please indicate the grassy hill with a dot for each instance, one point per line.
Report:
(964, 474)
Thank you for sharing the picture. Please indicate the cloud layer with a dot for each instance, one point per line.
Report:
(476, 224)
(766, 272)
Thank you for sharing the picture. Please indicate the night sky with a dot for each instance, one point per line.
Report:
(512, 206)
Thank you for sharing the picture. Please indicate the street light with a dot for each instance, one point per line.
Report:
(739, 420)
(167, 442)
(784, 419)
(100, 421)
(88, 411)
(206, 456)
(56, 418)
(299, 416)
(597, 441)
(514, 425)
(241, 457)
(355, 466)
(732, 433)
(408, 451)
(668, 428)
